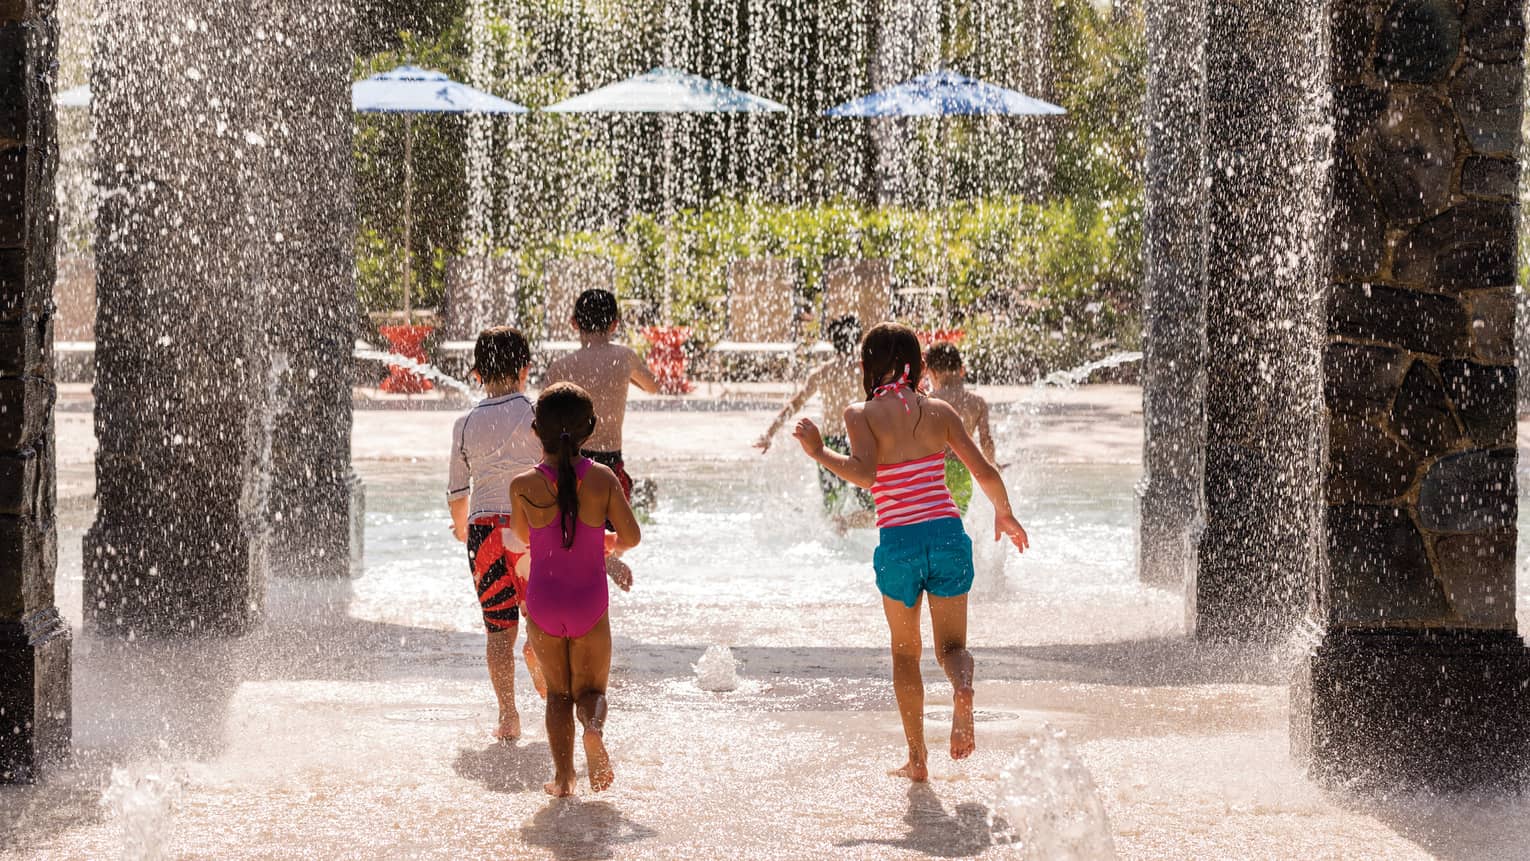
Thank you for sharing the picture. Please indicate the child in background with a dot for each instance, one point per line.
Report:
(562, 508)
(604, 370)
(491, 445)
(839, 380)
(898, 444)
(945, 364)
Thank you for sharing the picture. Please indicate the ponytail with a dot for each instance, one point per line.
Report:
(568, 488)
(565, 419)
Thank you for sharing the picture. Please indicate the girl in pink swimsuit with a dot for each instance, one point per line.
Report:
(560, 510)
(898, 440)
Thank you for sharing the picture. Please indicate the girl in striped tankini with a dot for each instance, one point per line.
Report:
(898, 443)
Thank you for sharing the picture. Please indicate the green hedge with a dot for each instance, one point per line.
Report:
(1038, 286)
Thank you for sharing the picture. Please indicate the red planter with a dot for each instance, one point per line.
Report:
(409, 342)
(667, 359)
(930, 337)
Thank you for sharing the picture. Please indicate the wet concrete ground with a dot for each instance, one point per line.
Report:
(356, 725)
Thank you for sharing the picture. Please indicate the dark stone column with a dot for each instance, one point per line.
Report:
(34, 640)
(182, 364)
(1258, 555)
(1173, 296)
(1421, 678)
(315, 497)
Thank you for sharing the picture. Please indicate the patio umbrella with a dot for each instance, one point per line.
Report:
(411, 90)
(663, 90)
(944, 93)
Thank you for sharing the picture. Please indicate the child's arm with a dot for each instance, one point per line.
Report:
(459, 482)
(985, 430)
(459, 509)
(520, 527)
(641, 376)
(809, 386)
(619, 513)
(860, 466)
(987, 476)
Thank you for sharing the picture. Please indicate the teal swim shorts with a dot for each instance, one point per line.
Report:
(934, 557)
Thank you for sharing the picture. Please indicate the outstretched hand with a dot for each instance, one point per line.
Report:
(1006, 525)
(763, 443)
(808, 435)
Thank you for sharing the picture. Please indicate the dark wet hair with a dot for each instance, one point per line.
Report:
(500, 353)
(844, 333)
(595, 311)
(887, 349)
(565, 419)
(943, 358)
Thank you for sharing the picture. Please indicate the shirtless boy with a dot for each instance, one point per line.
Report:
(944, 363)
(839, 381)
(604, 370)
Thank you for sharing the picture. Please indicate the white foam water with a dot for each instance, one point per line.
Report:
(717, 670)
(1051, 807)
(421, 368)
(1074, 377)
(143, 797)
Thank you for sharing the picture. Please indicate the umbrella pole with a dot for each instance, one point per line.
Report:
(408, 212)
(665, 213)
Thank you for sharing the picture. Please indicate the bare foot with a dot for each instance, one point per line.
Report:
(560, 787)
(963, 737)
(620, 573)
(918, 772)
(534, 667)
(597, 761)
(509, 728)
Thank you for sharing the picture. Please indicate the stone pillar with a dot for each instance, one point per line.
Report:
(1421, 678)
(1258, 555)
(309, 177)
(34, 640)
(182, 365)
(1173, 296)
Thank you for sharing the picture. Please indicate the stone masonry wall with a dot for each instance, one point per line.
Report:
(309, 267)
(34, 640)
(182, 364)
(1173, 295)
(1420, 680)
(1265, 128)
(1420, 362)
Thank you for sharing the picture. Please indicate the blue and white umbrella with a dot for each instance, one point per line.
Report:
(663, 90)
(944, 94)
(411, 90)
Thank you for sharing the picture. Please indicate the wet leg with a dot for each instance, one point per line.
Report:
(553, 654)
(534, 668)
(590, 665)
(948, 617)
(499, 651)
(908, 685)
(523, 571)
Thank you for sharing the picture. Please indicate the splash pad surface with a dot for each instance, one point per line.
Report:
(356, 725)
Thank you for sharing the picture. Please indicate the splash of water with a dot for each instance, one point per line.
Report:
(1073, 377)
(717, 670)
(1050, 804)
(422, 368)
(143, 797)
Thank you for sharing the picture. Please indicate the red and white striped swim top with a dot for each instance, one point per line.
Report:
(913, 492)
